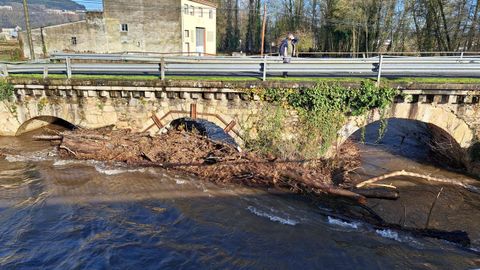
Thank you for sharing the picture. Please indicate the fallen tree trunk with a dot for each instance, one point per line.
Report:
(378, 193)
(48, 137)
(415, 175)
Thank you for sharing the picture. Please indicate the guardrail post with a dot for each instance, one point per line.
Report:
(380, 63)
(162, 69)
(68, 62)
(45, 72)
(5, 70)
(264, 68)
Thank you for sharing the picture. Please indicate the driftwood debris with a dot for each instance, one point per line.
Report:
(378, 193)
(414, 175)
(194, 154)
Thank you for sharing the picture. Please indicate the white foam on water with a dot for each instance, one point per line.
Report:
(389, 234)
(115, 170)
(63, 162)
(285, 221)
(341, 223)
(36, 156)
(476, 250)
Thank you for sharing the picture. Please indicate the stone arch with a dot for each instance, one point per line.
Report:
(426, 113)
(161, 119)
(205, 127)
(41, 121)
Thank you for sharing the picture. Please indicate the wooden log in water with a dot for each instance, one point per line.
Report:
(47, 137)
(378, 193)
(413, 175)
(329, 189)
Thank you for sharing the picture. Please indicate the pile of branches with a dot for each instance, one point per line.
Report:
(214, 161)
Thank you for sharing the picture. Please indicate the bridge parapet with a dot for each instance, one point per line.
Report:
(132, 104)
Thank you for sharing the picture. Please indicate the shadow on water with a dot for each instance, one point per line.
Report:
(407, 145)
(415, 140)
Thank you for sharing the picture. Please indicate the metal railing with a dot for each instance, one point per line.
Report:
(120, 64)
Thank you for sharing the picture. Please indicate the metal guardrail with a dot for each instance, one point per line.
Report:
(117, 64)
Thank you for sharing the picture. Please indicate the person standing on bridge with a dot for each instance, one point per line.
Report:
(288, 49)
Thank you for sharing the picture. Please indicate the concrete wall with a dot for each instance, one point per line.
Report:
(153, 26)
(89, 33)
(201, 18)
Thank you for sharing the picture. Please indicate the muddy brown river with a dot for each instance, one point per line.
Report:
(65, 214)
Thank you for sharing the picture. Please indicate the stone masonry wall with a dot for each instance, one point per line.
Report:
(131, 104)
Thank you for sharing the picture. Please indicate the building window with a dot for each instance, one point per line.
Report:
(210, 14)
(74, 41)
(185, 9)
(124, 27)
(200, 12)
(192, 10)
(187, 34)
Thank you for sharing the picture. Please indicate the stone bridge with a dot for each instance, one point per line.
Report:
(151, 105)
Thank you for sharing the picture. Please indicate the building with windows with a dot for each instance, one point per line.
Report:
(167, 26)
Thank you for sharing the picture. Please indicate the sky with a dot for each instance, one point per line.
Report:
(91, 4)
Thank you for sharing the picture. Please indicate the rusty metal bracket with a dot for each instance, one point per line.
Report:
(193, 111)
(157, 121)
(230, 126)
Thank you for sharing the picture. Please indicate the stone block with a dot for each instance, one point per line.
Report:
(38, 93)
(148, 94)
(125, 94)
(194, 95)
(468, 99)
(437, 99)
(232, 96)
(452, 99)
(422, 99)
(35, 86)
(104, 93)
(172, 95)
(160, 94)
(91, 93)
(207, 96)
(137, 94)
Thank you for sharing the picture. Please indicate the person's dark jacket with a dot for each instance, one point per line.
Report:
(284, 46)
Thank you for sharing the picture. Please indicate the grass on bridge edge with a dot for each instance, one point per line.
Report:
(252, 78)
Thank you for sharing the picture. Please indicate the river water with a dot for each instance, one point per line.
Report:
(62, 214)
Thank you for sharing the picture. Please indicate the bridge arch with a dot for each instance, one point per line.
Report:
(41, 121)
(426, 113)
(205, 128)
(159, 120)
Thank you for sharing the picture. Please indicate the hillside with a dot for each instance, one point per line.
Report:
(39, 13)
(52, 4)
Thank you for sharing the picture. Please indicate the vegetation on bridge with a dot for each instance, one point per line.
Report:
(6, 90)
(311, 117)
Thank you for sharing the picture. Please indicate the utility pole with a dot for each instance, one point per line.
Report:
(29, 30)
(264, 26)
